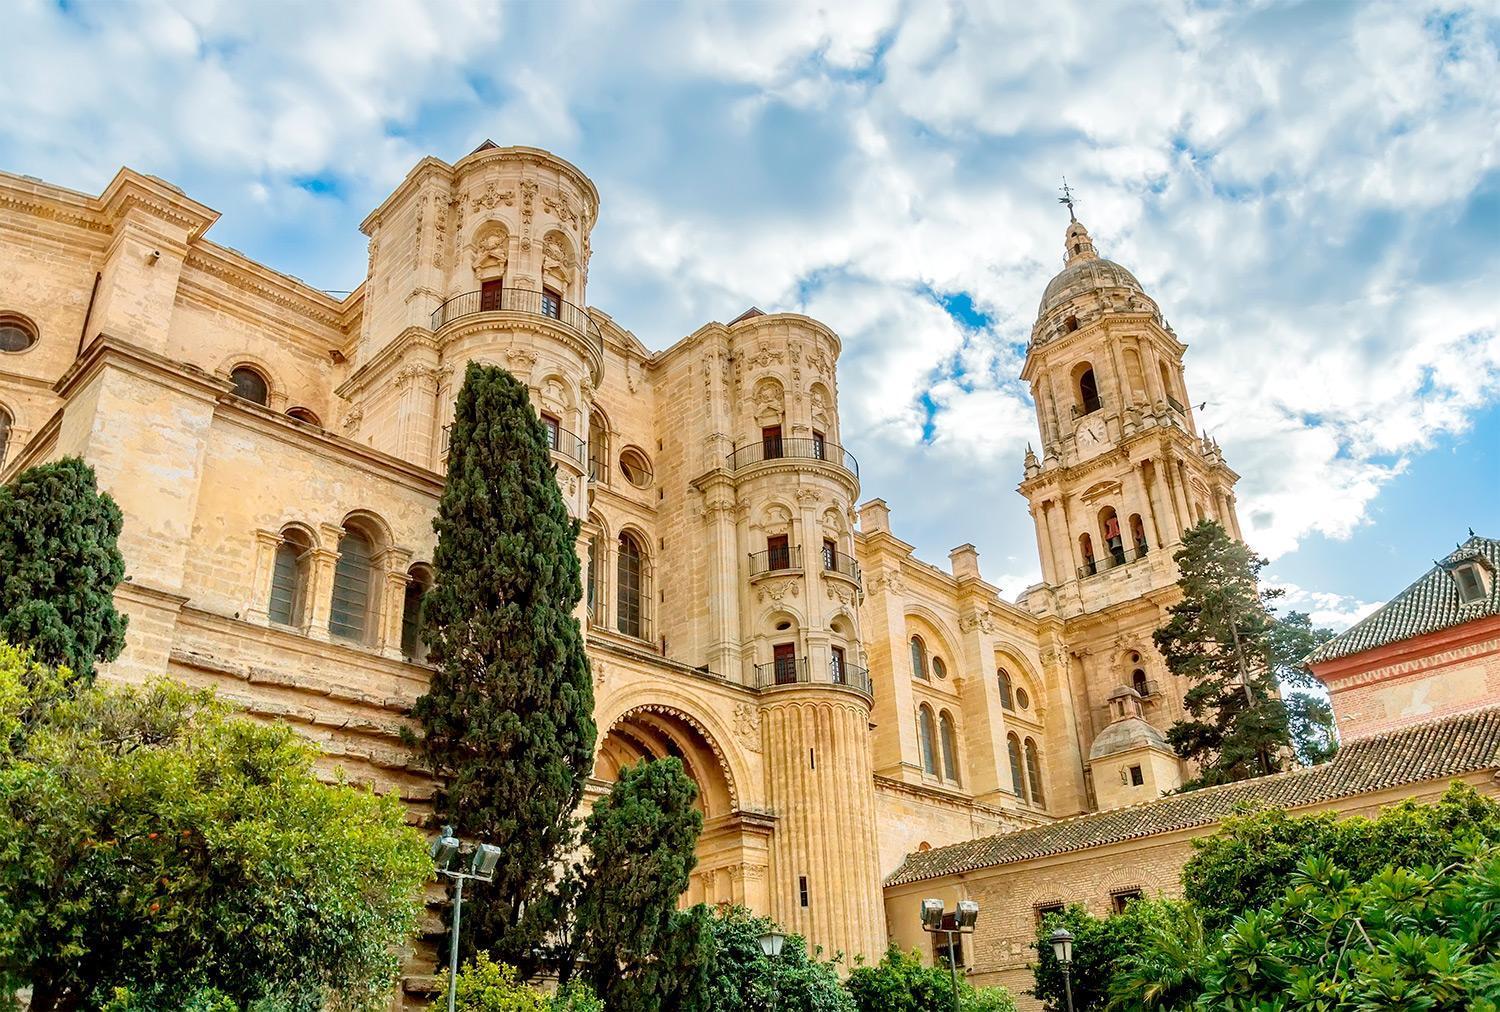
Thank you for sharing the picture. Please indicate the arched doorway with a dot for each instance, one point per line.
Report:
(733, 850)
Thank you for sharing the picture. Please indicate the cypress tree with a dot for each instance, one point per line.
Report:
(59, 566)
(508, 717)
(1222, 636)
(640, 953)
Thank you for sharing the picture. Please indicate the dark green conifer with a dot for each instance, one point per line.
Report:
(59, 566)
(640, 953)
(508, 717)
(1225, 639)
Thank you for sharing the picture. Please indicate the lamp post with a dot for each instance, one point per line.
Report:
(935, 921)
(770, 944)
(448, 857)
(1062, 948)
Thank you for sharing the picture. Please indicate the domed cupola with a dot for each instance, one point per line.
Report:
(1087, 285)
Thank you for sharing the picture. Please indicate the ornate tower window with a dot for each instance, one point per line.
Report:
(1017, 776)
(926, 732)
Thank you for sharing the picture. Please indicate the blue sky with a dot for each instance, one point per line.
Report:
(1311, 193)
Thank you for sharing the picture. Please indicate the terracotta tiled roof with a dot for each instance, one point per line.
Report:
(1426, 606)
(1448, 747)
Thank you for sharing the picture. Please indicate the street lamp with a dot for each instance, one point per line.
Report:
(960, 922)
(448, 857)
(1062, 948)
(770, 944)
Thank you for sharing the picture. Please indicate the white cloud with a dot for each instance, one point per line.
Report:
(1290, 182)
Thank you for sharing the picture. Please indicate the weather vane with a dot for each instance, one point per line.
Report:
(1067, 198)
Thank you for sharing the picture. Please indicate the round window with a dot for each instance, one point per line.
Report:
(250, 385)
(635, 467)
(939, 668)
(1022, 699)
(16, 332)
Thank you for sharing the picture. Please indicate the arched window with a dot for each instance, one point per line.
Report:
(1138, 535)
(1166, 379)
(630, 589)
(1139, 684)
(249, 384)
(1088, 392)
(5, 423)
(418, 583)
(1109, 527)
(1070, 325)
(289, 571)
(596, 579)
(304, 415)
(349, 617)
(1007, 695)
(1017, 778)
(1034, 774)
(949, 738)
(918, 658)
(925, 735)
(1086, 550)
(598, 449)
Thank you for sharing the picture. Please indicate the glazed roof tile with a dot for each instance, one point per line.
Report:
(1429, 605)
(1448, 747)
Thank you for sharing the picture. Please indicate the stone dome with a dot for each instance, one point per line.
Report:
(1129, 730)
(1085, 271)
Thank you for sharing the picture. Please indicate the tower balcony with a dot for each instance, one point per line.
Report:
(1113, 560)
(573, 320)
(796, 671)
(842, 564)
(794, 449)
(782, 560)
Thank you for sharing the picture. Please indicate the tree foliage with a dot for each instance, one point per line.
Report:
(59, 566)
(1100, 946)
(742, 978)
(153, 847)
(1252, 858)
(487, 986)
(1424, 938)
(640, 953)
(508, 718)
(900, 983)
(1224, 638)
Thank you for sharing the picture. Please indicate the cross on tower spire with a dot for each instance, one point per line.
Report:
(1067, 198)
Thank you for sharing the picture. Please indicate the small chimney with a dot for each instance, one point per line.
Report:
(965, 562)
(875, 516)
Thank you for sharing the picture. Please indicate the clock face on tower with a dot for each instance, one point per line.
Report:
(1091, 437)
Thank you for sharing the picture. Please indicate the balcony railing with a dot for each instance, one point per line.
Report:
(1147, 688)
(851, 675)
(521, 300)
(1112, 560)
(568, 444)
(786, 558)
(792, 448)
(842, 564)
(796, 671)
(564, 442)
(782, 671)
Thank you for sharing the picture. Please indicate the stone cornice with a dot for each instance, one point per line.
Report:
(941, 795)
(767, 321)
(54, 203)
(419, 174)
(383, 361)
(131, 190)
(1418, 654)
(264, 283)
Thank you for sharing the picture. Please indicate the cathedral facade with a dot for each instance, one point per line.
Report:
(750, 608)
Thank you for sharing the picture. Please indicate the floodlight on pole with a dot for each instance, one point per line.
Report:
(448, 859)
(961, 922)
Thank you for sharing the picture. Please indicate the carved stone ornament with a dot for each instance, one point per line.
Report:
(353, 418)
(778, 590)
(891, 580)
(521, 360)
(838, 592)
(557, 259)
(561, 208)
(764, 357)
(981, 620)
(808, 496)
(490, 252)
(747, 725)
(493, 196)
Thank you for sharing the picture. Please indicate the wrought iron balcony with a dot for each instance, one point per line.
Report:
(782, 671)
(521, 300)
(783, 559)
(1113, 560)
(844, 565)
(558, 441)
(792, 448)
(796, 671)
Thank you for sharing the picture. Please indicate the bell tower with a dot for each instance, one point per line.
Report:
(1122, 471)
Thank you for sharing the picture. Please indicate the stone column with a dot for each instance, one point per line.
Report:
(391, 566)
(258, 596)
(320, 581)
